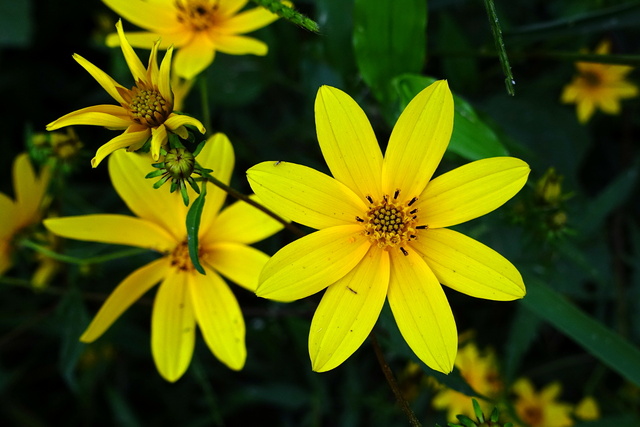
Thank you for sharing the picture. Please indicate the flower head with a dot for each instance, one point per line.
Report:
(185, 297)
(541, 409)
(145, 110)
(598, 86)
(26, 210)
(480, 371)
(381, 228)
(197, 28)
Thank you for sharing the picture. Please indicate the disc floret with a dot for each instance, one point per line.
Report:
(389, 222)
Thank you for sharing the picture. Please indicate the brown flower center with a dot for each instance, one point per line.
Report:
(389, 223)
(533, 416)
(592, 79)
(147, 106)
(180, 259)
(199, 15)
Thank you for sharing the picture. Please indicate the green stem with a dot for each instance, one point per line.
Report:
(502, 52)
(255, 204)
(204, 99)
(291, 15)
(393, 383)
(79, 261)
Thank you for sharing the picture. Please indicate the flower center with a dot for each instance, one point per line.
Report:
(180, 258)
(199, 15)
(148, 107)
(592, 79)
(533, 416)
(389, 223)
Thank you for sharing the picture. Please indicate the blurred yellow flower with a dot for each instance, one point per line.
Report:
(381, 228)
(480, 371)
(541, 409)
(196, 28)
(185, 297)
(598, 86)
(26, 210)
(145, 111)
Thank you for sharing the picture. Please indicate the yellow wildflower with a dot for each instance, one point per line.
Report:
(481, 373)
(381, 228)
(185, 297)
(598, 86)
(26, 210)
(541, 409)
(145, 110)
(197, 28)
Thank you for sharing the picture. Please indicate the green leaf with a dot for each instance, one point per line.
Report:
(389, 39)
(72, 319)
(15, 23)
(472, 139)
(522, 333)
(603, 343)
(608, 200)
(193, 225)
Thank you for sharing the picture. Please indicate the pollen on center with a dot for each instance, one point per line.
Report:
(390, 222)
(199, 15)
(180, 259)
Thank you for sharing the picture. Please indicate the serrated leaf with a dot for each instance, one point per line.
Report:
(471, 139)
(193, 226)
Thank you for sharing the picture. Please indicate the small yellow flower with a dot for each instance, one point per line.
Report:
(26, 210)
(598, 86)
(382, 228)
(185, 297)
(145, 110)
(197, 28)
(541, 409)
(481, 373)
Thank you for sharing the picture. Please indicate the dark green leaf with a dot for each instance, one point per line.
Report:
(15, 23)
(389, 39)
(472, 139)
(603, 343)
(73, 319)
(193, 225)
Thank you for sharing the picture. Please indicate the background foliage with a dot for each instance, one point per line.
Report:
(578, 324)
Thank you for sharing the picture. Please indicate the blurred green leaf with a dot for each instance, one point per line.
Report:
(122, 410)
(389, 39)
(461, 70)
(472, 139)
(603, 343)
(193, 225)
(522, 333)
(72, 319)
(612, 197)
(15, 23)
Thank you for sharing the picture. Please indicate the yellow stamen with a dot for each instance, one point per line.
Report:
(390, 223)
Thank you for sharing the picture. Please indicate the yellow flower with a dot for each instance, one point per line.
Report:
(145, 111)
(541, 409)
(481, 373)
(598, 86)
(185, 297)
(26, 210)
(197, 28)
(381, 228)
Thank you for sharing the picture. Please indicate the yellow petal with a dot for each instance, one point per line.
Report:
(102, 78)
(468, 266)
(239, 45)
(127, 171)
(241, 223)
(551, 392)
(348, 143)
(152, 66)
(143, 39)
(5, 257)
(305, 195)
(27, 189)
(569, 94)
(152, 16)
(133, 62)
(173, 326)
(422, 311)
(8, 217)
(585, 109)
(177, 120)
(418, 140)
(159, 139)
(312, 263)
(129, 137)
(587, 409)
(194, 57)
(470, 191)
(113, 229)
(348, 310)
(230, 7)
(239, 263)
(523, 388)
(610, 105)
(217, 155)
(219, 317)
(125, 294)
(110, 116)
(248, 21)
(164, 79)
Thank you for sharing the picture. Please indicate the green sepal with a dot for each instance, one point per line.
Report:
(160, 182)
(154, 174)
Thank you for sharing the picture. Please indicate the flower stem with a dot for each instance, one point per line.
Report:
(393, 383)
(499, 42)
(233, 192)
(79, 261)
